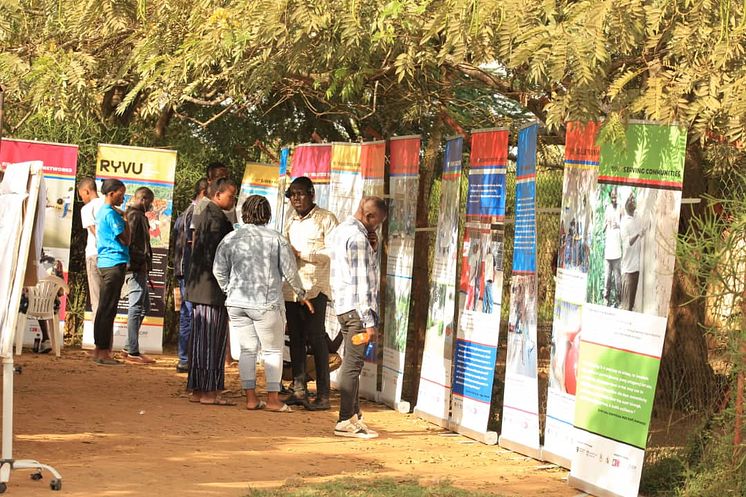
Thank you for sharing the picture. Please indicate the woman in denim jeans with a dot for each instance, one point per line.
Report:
(250, 265)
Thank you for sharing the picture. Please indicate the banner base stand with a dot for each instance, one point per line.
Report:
(591, 488)
(403, 407)
(520, 448)
(443, 423)
(550, 456)
(487, 438)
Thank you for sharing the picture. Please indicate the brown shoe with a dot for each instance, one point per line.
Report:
(138, 359)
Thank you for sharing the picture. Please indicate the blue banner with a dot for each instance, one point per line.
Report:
(524, 248)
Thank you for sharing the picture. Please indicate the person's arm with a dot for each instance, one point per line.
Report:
(221, 268)
(362, 264)
(121, 227)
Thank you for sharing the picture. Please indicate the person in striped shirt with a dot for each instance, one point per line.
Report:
(355, 285)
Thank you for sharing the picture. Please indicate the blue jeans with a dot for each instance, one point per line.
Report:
(487, 298)
(186, 316)
(139, 305)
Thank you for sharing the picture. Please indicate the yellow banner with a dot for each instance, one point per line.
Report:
(346, 157)
(136, 163)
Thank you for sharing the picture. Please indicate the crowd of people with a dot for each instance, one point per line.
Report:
(261, 284)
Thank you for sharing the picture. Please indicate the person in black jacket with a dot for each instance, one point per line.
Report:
(182, 258)
(210, 326)
(141, 262)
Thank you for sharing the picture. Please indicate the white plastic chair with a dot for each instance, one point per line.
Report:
(41, 307)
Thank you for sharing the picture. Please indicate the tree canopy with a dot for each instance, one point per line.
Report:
(361, 67)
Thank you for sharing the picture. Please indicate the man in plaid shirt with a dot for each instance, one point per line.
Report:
(355, 284)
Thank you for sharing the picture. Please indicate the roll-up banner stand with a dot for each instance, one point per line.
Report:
(578, 198)
(155, 169)
(60, 166)
(621, 339)
(264, 180)
(480, 286)
(372, 166)
(520, 422)
(434, 393)
(313, 160)
(404, 168)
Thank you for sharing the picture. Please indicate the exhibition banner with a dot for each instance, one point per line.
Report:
(404, 168)
(434, 393)
(372, 165)
(153, 168)
(520, 421)
(261, 179)
(283, 181)
(480, 286)
(578, 198)
(314, 160)
(346, 179)
(60, 166)
(623, 323)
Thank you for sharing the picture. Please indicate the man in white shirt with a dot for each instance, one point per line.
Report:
(89, 195)
(307, 229)
(632, 233)
(613, 251)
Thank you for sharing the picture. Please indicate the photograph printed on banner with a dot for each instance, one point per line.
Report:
(632, 248)
(159, 215)
(481, 275)
(575, 220)
(58, 212)
(565, 346)
(522, 326)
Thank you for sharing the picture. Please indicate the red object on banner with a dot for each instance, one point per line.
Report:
(581, 142)
(312, 160)
(372, 159)
(404, 153)
(489, 148)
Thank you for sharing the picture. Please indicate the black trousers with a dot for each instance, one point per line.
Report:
(352, 365)
(304, 327)
(112, 279)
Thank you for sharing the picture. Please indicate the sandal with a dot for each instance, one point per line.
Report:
(218, 402)
(284, 408)
(259, 405)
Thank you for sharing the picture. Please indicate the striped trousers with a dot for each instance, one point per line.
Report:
(207, 344)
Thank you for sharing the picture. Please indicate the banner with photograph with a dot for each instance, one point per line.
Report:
(623, 325)
(60, 166)
(520, 421)
(155, 169)
(404, 169)
(314, 160)
(434, 393)
(578, 198)
(261, 179)
(283, 182)
(480, 286)
(372, 165)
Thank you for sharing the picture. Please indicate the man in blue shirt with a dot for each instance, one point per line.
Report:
(112, 243)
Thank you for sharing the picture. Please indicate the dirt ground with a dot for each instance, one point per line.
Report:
(130, 431)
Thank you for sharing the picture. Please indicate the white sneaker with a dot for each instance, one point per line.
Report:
(352, 428)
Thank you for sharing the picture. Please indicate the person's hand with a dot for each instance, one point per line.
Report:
(308, 305)
(371, 334)
(373, 239)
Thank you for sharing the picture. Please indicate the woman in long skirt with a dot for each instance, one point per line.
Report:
(210, 325)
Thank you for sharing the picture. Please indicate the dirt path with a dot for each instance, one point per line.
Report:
(130, 431)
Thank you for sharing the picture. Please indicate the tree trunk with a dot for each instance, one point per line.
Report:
(420, 296)
(686, 380)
